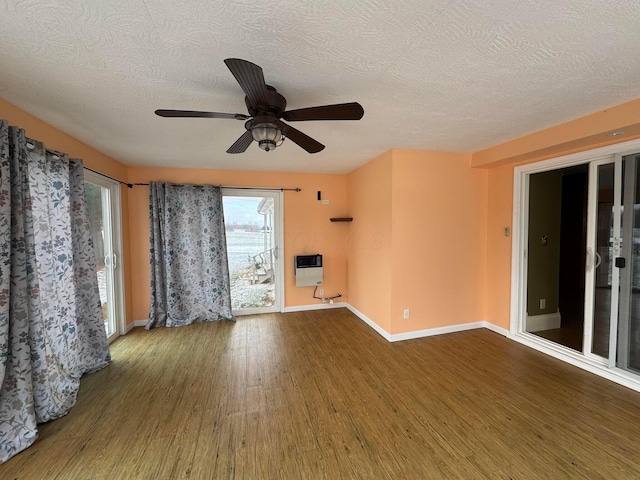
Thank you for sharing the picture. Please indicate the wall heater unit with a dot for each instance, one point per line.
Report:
(308, 270)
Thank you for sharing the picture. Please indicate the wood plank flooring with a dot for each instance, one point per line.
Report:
(320, 395)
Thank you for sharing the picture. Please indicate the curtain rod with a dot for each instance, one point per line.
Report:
(31, 146)
(131, 185)
(230, 186)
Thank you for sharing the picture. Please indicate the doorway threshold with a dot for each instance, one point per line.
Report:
(595, 365)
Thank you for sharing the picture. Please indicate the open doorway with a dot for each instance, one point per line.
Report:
(557, 238)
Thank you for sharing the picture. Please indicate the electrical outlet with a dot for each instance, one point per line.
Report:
(406, 313)
(321, 291)
(543, 303)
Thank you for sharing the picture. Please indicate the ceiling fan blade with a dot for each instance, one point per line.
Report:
(251, 79)
(242, 143)
(341, 111)
(195, 114)
(302, 139)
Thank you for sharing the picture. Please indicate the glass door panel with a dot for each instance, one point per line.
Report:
(99, 204)
(628, 266)
(252, 228)
(603, 260)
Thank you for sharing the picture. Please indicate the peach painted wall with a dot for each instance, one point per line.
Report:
(418, 240)
(585, 133)
(439, 240)
(369, 272)
(58, 140)
(307, 228)
(499, 217)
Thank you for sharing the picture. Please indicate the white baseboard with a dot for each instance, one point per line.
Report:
(398, 337)
(494, 328)
(386, 335)
(135, 323)
(429, 332)
(547, 321)
(319, 306)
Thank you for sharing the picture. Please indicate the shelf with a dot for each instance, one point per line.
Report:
(342, 219)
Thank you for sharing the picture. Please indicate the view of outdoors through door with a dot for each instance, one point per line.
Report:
(99, 204)
(250, 224)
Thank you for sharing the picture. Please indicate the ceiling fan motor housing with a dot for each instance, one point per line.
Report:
(262, 126)
(277, 104)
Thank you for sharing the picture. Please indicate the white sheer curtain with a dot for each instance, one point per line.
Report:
(51, 325)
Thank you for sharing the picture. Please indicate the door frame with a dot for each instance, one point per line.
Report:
(279, 242)
(116, 236)
(592, 363)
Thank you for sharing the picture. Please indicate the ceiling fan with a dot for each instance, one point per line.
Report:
(267, 109)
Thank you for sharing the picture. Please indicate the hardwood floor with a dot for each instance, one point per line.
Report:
(321, 395)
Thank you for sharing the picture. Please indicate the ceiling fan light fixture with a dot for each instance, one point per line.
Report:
(268, 135)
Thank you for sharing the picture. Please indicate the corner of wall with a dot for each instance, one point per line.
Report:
(369, 246)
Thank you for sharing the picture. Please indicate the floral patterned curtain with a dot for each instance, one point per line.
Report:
(189, 268)
(51, 325)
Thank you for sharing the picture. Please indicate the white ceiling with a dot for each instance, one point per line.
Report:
(440, 75)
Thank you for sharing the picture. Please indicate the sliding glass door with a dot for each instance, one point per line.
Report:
(627, 338)
(614, 330)
(580, 266)
(253, 228)
(104, 212)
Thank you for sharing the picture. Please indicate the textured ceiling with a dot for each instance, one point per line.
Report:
(440, 75)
